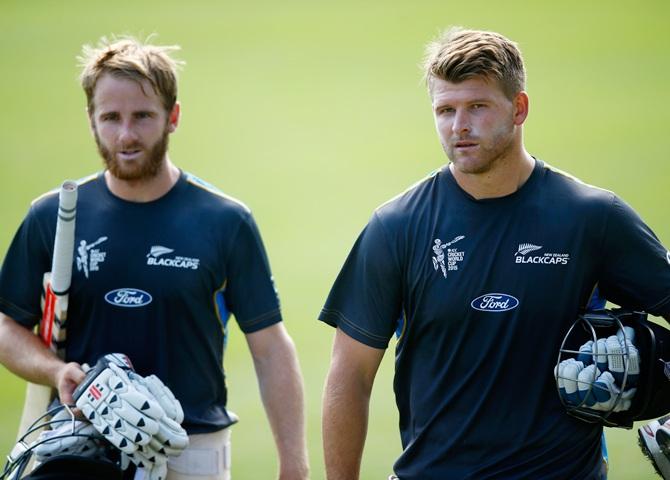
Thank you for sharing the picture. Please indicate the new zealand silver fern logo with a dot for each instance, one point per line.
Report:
(525, 248)
(158, 250)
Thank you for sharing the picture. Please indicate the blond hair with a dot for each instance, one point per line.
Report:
(460, 54)
(127, 57)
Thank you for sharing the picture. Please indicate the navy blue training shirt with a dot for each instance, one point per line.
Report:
(156, 281)
(481, 293)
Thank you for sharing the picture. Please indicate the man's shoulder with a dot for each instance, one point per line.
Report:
(48, 201)
(411, 202)
(562, 191)
(213, 198)
(560, 184)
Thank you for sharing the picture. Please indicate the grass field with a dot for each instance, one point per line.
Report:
(313, 113)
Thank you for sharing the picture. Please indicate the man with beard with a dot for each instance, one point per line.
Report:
(163, 260)
(479, 323)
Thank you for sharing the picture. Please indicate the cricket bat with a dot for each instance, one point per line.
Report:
(56, 284)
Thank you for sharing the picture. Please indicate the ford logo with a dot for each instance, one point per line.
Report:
(128, 297)
(494, 302)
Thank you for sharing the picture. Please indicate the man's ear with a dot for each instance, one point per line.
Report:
(173, 119)
(520, 108)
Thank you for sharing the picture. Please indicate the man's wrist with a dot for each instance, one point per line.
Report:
(295, 472)
(54, 372)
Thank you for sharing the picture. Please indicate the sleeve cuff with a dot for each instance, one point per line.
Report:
(334, 318)
(260, 322)
(19, 315)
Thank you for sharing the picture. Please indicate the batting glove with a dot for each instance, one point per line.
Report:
(567, 373)
(150, 462)
(617, 363)
(123, 415)
(154, 386)
(140, 416)
(587, 353)
(69, 436)
(603, 394)
(612, 356)
(171, 438)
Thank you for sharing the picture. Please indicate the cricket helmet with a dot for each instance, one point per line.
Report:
(103, 465)
(651, 381)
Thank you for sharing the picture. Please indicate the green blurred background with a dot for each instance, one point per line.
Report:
(313, 113)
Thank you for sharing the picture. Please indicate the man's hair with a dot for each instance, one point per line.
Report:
(459, 54)
(127, 57)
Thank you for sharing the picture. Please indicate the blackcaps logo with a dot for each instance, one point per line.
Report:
(158, 257)
(521, 256)
(525, 248)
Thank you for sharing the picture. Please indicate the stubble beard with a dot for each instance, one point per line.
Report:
(489, 154)
(145, 169)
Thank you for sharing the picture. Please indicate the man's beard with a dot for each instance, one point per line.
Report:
(492, 151)
(145, 169)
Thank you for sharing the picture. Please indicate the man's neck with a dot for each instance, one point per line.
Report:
(142, 191)
(504, 178)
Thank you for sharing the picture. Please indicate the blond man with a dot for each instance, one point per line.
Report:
(478, 331)
(167, 259)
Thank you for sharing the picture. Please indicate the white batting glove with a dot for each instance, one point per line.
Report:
(163, 394)
(151, 464)
(616, 363)
(568, 371)
(123, 415)
(68, 436)
(586, 353)
(612, 356)
(629, 332)
(156, 472)
(603, 394)
(601, 358)
(140, 416)
(171, 438)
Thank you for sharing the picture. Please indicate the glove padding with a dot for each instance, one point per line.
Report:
(611, 356)
(566, 374)
(69, 436)
(154, 386)
(121, 406)
(603, 393)
(595, 379)
(151, 463)
(171, 438)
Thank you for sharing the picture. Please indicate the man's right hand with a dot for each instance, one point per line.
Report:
(68, 376)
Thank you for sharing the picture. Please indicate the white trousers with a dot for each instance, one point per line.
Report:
(206, 458)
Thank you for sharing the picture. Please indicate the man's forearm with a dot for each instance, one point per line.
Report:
(23, 353)
(344, 424)
(345, 405)
(281, 389)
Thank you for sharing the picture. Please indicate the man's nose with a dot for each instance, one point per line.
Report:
(127, 133)
(461, 123)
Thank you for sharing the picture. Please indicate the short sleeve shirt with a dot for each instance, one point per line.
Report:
(156, 281)
(481, 293)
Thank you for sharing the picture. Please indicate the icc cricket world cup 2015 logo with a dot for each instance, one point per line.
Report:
(438, 259)
(447, 262)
